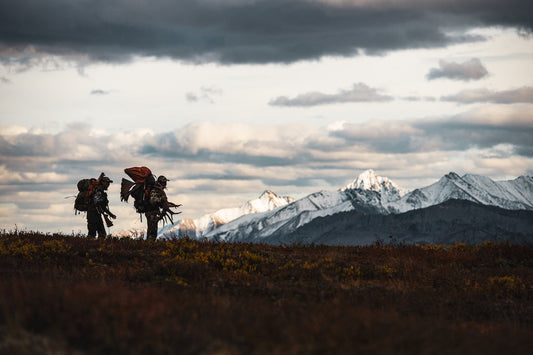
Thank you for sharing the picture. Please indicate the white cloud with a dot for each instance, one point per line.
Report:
(470, 70)
(496, 115)
(358, 93)
(520, 95)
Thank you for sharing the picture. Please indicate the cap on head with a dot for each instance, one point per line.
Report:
(104, 178)
(162, 180)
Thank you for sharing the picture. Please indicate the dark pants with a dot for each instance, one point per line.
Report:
(95, 224)
(152, 218)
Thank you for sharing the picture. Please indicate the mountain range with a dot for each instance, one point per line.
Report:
(201, 227)
(371, 207)
(450, 222)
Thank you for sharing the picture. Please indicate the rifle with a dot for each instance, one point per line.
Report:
(108, 222)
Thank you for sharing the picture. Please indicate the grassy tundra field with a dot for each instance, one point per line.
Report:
(71, 295)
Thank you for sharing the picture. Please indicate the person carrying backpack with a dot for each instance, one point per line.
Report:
(158, 208)
(98, 206)
(149, 197)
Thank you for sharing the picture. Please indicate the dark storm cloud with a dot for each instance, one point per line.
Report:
(525, 151)
(358, 93)
(243, 31)
(470, 70)
(520, 95)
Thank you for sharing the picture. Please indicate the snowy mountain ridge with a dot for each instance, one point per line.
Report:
(369, 193)
(376, 195)
(295, 215)
(198, 228)
(369, 180)
(513, 194)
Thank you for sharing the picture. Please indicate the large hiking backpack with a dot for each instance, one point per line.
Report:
(86, 188)
(139, 188)
(140, 174)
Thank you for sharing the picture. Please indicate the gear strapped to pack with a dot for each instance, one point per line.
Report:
(92, 198)
(141, 188)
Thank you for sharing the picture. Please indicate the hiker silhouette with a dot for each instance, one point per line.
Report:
(149, 197)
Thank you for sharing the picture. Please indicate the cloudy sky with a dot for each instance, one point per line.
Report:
(228, 98)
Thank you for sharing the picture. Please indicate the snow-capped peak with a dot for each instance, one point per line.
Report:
(199, 227)
(266, 202)
(452, 176)
(268, 195)
(512, 195)
(369, 180)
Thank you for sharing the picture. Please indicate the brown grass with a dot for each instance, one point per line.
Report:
(69, 294)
